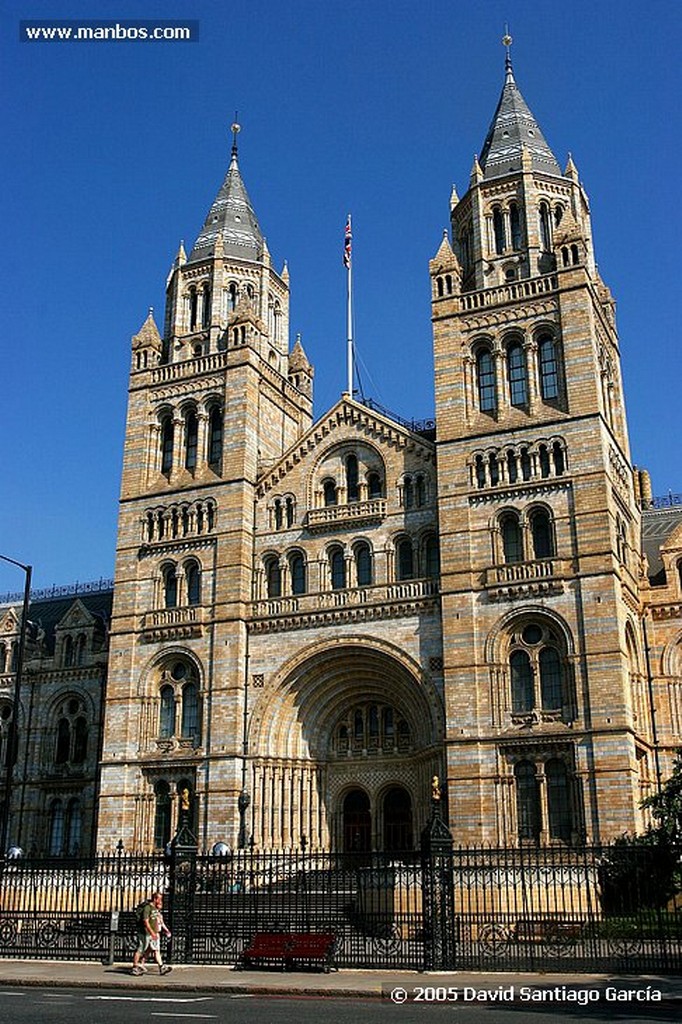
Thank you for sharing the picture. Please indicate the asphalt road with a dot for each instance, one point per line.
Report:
(85, 1006)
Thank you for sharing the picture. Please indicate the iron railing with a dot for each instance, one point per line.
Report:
(609, 909)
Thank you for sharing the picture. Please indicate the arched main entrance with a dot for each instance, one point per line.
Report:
(357, 822)
(397, 814)
(344, 744)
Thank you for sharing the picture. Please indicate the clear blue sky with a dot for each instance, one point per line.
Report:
(115, 151)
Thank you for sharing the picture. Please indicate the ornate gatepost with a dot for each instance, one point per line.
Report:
(437, 889)
(183, 872)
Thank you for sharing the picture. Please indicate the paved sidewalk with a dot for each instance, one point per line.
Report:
(347, 983)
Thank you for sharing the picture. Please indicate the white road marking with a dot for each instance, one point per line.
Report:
(203, 1016)
(13, 993)
(151, 999)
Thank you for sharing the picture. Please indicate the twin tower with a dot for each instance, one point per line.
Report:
(312, 618)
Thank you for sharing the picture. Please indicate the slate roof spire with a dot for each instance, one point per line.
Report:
(513, 127)
(231, 217)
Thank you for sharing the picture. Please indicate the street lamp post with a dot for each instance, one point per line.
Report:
(12, 739)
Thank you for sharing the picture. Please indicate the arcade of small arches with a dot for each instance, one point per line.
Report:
(187, 438)
(506, 229)
(173, 522)
(515, 464)
(344, 477)
(516, 372)
(349, 565)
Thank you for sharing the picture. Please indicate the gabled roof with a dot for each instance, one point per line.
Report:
(371, 425)
(46, 615)
(514, 128)
(232, 218)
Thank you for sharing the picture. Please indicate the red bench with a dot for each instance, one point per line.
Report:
(289, 950)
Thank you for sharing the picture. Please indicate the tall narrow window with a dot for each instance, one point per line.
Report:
(550, 679)
(190, 711)
(431, 557)
(56, 818)
(420, 491)
(215, 435)
(521, 671)
(273, 574)
(191, 437)
(408, 492)
(543, 458)
(527, 801)
(73, 827)
(545, 227)
(515, 226)
(170, 587)
(206, 307)
(485, 375)
(526, 465)
(363, 564)
(80, 740)
(337, 569)
(167, 712)
(518, 377)
(162, 814)
(512, 467)
(297, 573)
(352, 490)
(549, 370)
(405, 555)
(231, 296)
(329, 492)
(559, 461)
(498, 231)
(166, 444)
(192, 309)
(289, 510)
(374, 485)
(558, 800)
(193, 583)
(279, 517)
(68, 651)
(512, 539)
(541, 531)
(63, 751)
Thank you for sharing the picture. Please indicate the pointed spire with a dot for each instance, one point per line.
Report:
(454, 198)
(298, 360)
(181, 255)
(231, 217)
(476, 171)
(148, 335)
(571, 170)
(512, 127)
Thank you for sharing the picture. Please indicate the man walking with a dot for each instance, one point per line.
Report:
(149, 928)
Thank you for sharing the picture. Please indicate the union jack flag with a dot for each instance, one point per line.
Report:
(348, 244)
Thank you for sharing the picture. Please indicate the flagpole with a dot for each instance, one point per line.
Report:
(349, 310)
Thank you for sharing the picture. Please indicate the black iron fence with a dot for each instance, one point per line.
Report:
(598, 909)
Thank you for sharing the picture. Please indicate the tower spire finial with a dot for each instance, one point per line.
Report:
(507, 42)
(235, 129)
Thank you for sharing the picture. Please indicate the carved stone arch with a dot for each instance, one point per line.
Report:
(633, 648)
(498, 635)
(301, 703)
(483, 340)
(146, 680)
(671, 659)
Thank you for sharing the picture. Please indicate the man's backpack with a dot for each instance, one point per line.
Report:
(139, 913)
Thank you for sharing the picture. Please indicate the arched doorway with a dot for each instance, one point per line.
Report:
(397, 809)
(357, 822)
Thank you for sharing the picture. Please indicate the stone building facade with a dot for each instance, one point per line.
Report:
(311, 619)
